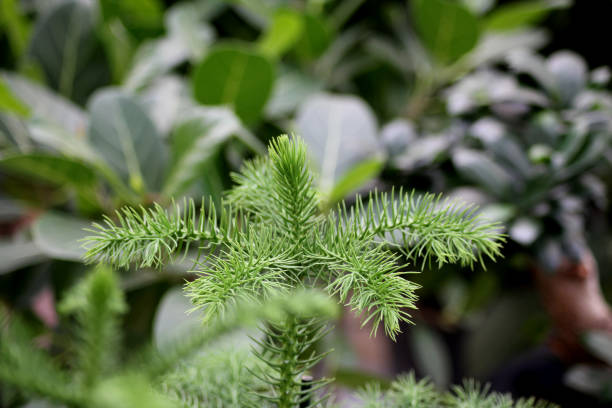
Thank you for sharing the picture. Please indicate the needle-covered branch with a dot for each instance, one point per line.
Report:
(425, 226)
(149, 237)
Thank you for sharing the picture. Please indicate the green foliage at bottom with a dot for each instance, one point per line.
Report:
(408, 392)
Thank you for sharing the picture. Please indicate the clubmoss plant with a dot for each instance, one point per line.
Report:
(271, 236)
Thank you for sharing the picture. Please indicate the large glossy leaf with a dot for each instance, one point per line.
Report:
(47, 105)
(340, 132)
(283, 32)
(10, 103)
(521, 13)
(196, 138)
(235, 77)
(448, 29)
(65, 46)
(125, 137)
(55, 169)
(58, 235)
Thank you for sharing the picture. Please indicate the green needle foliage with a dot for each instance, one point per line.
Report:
(155, 378)
(407, 392)
(271, 237)
(97, 304)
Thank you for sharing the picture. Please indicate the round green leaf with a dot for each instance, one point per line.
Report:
(236, 77)
(448, 29)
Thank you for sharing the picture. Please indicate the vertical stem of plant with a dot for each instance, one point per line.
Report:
(288, 363)
(419, 100)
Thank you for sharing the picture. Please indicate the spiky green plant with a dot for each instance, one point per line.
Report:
(408, 392)
(271, 237)
(157, 378)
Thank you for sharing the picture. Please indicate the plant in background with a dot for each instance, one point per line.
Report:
(408, 392)
(271, 237)
(211, 366)
(532, 152)
(68, 161)
(88, 371)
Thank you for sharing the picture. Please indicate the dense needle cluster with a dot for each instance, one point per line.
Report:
(271, 237)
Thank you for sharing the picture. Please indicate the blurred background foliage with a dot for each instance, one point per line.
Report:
(502, 103)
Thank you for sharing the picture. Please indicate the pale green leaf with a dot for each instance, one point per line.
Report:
(340, 132)
(58, 235)
(123, 134)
